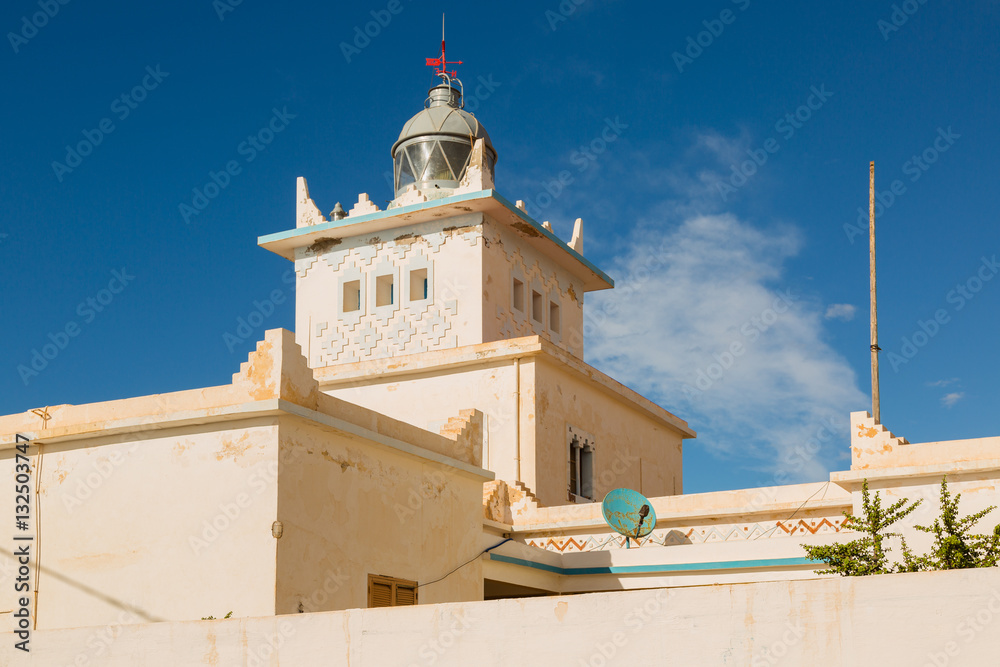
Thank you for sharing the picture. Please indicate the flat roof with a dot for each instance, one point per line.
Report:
(484, 201)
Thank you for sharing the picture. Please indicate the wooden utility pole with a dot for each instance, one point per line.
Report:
(874, 311)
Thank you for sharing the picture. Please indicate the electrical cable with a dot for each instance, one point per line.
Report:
(823, 489)
(464, 564)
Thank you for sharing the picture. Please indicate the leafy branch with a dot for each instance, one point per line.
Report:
(868, 554)
(955, 546)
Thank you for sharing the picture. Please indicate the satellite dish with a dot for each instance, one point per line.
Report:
(630, 513)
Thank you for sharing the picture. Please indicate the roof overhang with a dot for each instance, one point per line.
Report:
(484, 201)
(361, 373)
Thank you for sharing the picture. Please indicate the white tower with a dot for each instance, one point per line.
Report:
(450, 263)
(453, 309)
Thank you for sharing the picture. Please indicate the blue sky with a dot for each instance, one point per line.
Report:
(727, 200)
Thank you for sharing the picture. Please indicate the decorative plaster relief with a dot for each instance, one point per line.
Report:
(696, 535)
(387, 326)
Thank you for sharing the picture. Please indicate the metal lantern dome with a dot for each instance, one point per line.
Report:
(434, 147)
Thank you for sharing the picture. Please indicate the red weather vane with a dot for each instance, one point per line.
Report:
(441, 63)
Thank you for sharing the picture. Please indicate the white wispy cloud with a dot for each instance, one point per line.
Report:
(697, 323)
(948, 400)
(942, 383)
(692, 280)
(726, 150)
(840, 311)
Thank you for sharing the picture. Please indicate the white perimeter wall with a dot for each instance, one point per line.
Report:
(932, 618)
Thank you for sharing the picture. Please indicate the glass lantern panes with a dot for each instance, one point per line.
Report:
(439, 160)
(458, 156)
(436, 167)
(404, 172)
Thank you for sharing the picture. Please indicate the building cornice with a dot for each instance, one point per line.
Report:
(483, 201)
(146, 424)
(362, 373)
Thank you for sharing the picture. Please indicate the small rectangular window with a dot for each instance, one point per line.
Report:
(554, 316)
(536, 306)
(390, 592)
(418, 284)
(385, 290)
(574, 468)
(518, 295)
(581, 466)
(352, 296)
(587, 473)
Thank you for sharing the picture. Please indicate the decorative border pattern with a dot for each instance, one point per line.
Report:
(675, 536)
(378, 332)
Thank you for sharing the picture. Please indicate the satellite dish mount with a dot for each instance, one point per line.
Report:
(629, 513)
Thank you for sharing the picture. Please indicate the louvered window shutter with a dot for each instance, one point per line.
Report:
(405, 595)
(380, 594)
(390, 592)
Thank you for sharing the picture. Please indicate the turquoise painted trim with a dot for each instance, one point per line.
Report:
(454, 199)
(334, 224)
(524, 216)
(654, 569)
(527, 563)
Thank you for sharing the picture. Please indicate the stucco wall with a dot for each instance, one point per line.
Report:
(632, 449)
(507, 256)
(425, 390)
(451, 252)
(350, 508)
(172, 526)
(430, 398)
(935, 618)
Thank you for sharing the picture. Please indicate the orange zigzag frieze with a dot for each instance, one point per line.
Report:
(802, 527)
(556, 545)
